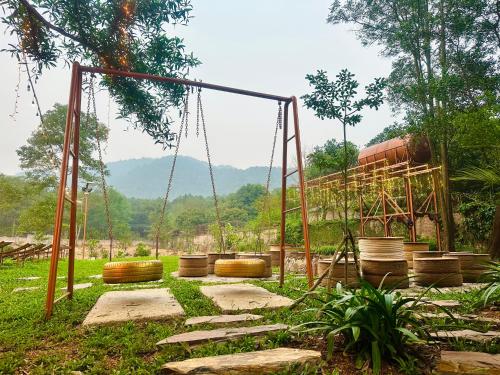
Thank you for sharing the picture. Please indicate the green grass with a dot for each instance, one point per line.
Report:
(30, 343)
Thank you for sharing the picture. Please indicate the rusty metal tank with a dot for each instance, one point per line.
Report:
(411, 148)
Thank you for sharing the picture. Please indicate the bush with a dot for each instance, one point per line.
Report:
(375, 323)
(325, 250)
(93, 246)
(142, 250)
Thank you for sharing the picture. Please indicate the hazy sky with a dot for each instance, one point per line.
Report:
(258, 45)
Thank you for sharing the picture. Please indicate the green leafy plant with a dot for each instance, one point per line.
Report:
(377, 324)
(325, 250)
(491, 292)
(142, 250)
(93, 246)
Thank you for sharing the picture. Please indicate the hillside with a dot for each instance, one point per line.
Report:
(148, 177)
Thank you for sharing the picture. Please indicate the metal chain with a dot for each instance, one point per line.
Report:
(212, 179)
(101, 164)
(279, 122)
(184, 120)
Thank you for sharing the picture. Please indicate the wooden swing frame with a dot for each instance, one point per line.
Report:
(71, 149)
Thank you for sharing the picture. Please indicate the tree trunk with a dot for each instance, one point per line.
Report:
(495, 236)
(447, 207)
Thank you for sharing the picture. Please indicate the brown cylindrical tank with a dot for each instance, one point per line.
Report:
(413, 148)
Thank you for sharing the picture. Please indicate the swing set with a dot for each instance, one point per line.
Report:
(70, 166)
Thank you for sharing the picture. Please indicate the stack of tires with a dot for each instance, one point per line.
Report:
(410, 247)
(471, 265)
(275, 252)
(339, 272)
(388, 272)
(132, 272)
(440, 272)
(240, 267)
(427, 254)
(381, 248)
(212, 257)
(265, 257)
(193, 265)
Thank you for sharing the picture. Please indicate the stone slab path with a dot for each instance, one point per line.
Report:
(253, 363)
(79, 286)
(221, 280)
(29, 278)
(222, 319)
(221, 334)
(466, 318)
(243, 297)
(25, 289)
(468, 363)
(467, 334)
(134, 305)
(95, 277)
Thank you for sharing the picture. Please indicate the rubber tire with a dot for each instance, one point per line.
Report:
(398, 281)
(438, 279)
(338, 269)
(472, 275)
(193, 261)
(240, 267)
(396, 267)
(193, 271)
(427, 254)
(132, 272)
(436, 265)
(351, 281)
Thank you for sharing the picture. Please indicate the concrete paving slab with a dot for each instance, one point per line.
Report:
(95, 276)
(25, 289)
(243, 297)
(467, 334)
(79, 286)
(29, 278)
(222, 319)
(221, 334)
(263, 362)
(134, 305)
(464, 317)
(221, 280)
(468, 363)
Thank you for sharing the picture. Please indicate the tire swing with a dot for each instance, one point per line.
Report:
(119, 272)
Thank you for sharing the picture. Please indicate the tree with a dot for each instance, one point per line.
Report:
(445, 58)
(336, 100)
(392, 131)
(330, 158)
(127, 35)
(41, 156)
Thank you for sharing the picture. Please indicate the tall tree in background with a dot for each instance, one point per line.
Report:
(445, 59)
(330, 158)
(336, 100)
(41, 156)
(119, 34)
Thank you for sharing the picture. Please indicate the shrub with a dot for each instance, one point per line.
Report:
(375, 323)
(142, 250)
(93, 246)
(491, 292)
(325, 250)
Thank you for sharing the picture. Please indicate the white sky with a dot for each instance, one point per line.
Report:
(257, 45)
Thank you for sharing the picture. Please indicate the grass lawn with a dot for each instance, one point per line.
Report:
(30, 344)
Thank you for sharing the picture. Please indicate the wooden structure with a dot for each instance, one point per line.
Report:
(70, 159)
(373, 194)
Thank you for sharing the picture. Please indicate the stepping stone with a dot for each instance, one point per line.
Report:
(253, 363)
(466, 317)
(29, 278)
(79, 286)
(243, 297)
(95, 277)
(447, 304)
(222, 319)
(211, 278)
(221, 334)
(61, 277)
(25, 289)
(134, 305)
(468, 363)
(467, 334)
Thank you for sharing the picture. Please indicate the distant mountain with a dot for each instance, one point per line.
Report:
(148, 177)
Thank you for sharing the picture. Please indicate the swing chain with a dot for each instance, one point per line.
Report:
(101, 163)
(200, 115)
(184, 121)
